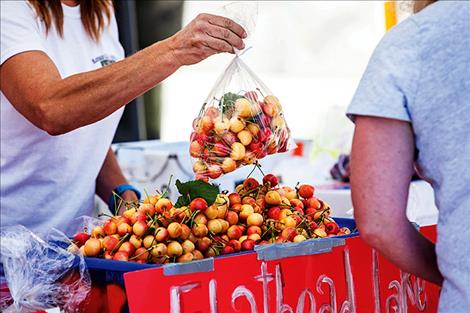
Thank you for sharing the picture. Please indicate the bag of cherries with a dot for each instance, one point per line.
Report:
(240, 122)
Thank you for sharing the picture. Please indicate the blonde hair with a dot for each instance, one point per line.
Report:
(93, 14)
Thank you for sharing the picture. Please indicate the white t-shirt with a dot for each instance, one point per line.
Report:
(48, 181)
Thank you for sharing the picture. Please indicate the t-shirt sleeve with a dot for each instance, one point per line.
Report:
(19, 29)
(390, 81)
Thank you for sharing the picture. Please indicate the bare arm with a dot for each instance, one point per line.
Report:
(111, 176)
(33, 84)
(381, 170)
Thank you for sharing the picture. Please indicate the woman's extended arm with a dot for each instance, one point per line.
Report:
(32, 83)
(381, 170)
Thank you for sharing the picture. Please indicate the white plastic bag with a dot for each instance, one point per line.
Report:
(41, 274)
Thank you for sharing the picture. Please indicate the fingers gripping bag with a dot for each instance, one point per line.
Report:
(41, 274)
(240, 122)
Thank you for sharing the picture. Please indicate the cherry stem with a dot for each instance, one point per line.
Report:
(120, 242)
(136, 256)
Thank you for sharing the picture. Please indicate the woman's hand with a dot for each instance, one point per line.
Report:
(206, 35)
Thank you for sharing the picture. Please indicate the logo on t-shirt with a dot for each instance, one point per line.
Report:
(104, 59)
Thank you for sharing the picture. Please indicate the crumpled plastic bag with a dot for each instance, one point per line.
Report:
(41, 274)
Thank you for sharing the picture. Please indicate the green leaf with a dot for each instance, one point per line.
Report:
(195, 189)
(227, 103)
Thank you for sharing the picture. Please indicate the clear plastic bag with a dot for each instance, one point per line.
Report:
(240, 122)
(41, 274)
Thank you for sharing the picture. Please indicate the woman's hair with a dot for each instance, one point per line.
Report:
(95, 15)
(418, 5)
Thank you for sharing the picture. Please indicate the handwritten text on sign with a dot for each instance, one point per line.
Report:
(352, 278)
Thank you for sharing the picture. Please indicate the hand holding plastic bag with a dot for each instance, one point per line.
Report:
(41, 274)
(241, 120)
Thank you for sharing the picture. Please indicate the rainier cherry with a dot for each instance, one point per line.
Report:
(110, 243)
(228, 165)
(121, 256)
(274, 212)
(127, 247)
(254, 219)
(234, 198)
(162, 205)
(214, 171)
(273, 198)
(243, 107)
(289, 233)
(161, 234)
(175, 249)
(147, 209)
(141, 254)
(81, 238)
(195, 149)
(227, 250)
(187, 257)
(236, 124)
(214, 226)
(185, 232)
(148, 241)
(271, 179)
(234, 232)
(135, 241)
(229, 138)
(159, 250)
(200, 230)
(188, 246)
(197, 255)
(236, 245)
(299, 238)
(231, 217)
(254, 230)
(221, 125)
(331, 228)
(203, 244)
(175, 230)
(306, 191)
(253, 128)
(124, 229)
(320, 232)
(247, 244)
(250, 183)
(139, 228)
(245, 137)
(238, 151)
(110, 227)
(198, 204)
(221, 150)
(313, 203)
(92, 247)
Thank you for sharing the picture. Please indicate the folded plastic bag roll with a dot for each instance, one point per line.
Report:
(240, 122)
(41, 274)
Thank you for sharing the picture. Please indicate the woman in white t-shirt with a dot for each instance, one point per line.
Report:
(61, 100)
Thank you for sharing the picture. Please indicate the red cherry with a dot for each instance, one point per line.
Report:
(81, 238)
(198, 204)
(271, 179)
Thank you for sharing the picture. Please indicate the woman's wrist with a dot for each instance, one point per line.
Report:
(165, 54)
(129, 195)
(121, 194)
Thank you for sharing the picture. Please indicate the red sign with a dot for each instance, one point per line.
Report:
(349, 278)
